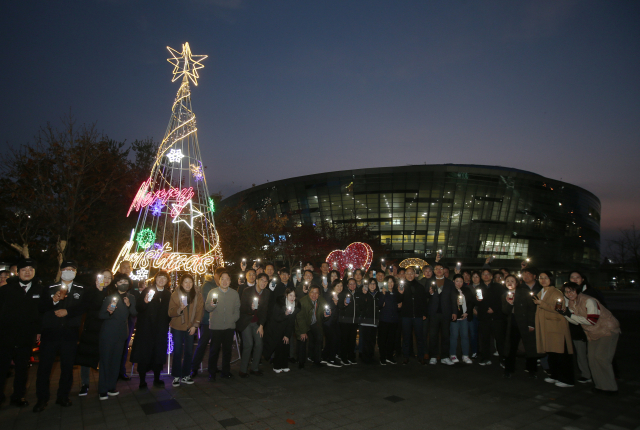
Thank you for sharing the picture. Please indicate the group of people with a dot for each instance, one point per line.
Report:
(327, 318)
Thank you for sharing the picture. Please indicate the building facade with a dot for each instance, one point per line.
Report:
(467, 211)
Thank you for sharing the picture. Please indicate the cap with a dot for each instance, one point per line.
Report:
(69, 263)
(27, 262)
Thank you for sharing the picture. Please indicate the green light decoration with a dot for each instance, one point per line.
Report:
(145, 238)
(212, 206)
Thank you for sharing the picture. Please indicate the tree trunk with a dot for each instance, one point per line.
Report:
(23, 250)
(62, 244)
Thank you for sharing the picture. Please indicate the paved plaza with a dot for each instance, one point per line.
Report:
(357, 397)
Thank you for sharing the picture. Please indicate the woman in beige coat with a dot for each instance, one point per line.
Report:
(552, 332)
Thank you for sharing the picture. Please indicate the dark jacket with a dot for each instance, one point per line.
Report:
(523, 311)
(279, 325)
(88, 353)
(152, 328)
(247, 313)
(470, 300)
(350, 313)
(76, 303)
(115, 325)
(492, 297)
(20, 319)
(335, 310)
(444, 303)
(370, 315)
(414, 300)
(304, 316)
(388, 304)
(277, 292)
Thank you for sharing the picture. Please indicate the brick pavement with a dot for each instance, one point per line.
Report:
(355, 397)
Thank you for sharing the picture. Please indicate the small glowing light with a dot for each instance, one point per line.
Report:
(175, 155)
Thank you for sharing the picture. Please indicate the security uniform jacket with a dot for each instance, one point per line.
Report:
(20, 319)
(247, 312)
(75, 302)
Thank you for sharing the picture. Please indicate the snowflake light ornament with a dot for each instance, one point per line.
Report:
(175, 155)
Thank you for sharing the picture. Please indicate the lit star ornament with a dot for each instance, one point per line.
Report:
(175, 155)
(194, 213)
(185, 63)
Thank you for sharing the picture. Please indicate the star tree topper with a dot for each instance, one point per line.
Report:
(194, 213)
(185, 63)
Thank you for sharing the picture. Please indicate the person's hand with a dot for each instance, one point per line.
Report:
(383, 291)
(192, 331)
(424, 318)
(213, 305)
(438, 256)
(305, 289)
(98, 286)
(565, 312)
(146, 298)
(510, 299)
(126, 301)
(487, 260)
(454, 317)
(383, 266)
(464, 316)
(399, 305)
(260, 331)
(431, 290)
(285, 340)
(335, 301)
(536, 300)
(329, 313)
(243, 265)
(57, 296)
(479, 299)
(475, 312)
(303, 337)
(182, 306)
(523, 264)
(61, 313)
(531, 329)
(456, 270)
(490, 311)
(38, 337)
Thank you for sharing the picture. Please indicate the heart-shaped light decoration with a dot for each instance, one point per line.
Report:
(357, 255)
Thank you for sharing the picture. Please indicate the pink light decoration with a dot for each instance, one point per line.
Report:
(144, 198)
(357, 254)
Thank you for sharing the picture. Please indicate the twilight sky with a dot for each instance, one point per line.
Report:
(300, 87)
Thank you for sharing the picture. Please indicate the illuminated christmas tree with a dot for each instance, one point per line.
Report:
(175, 229)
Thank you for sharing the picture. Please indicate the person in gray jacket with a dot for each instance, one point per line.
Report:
(116, 308)
(223, 305)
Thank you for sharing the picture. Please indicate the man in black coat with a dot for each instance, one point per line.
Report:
(413, 311)
(490, 316)
(21, 323)
(62, 306)
(441, 310)
(125, 268)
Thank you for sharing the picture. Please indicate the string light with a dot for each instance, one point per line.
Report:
(165, 259)
(145, 238)
(419, 262)
(194, 213)
(156, 208)
(185, 63)
(196, 171)
(212, 206)
(357, 254)
(144, 198)
(175, 155)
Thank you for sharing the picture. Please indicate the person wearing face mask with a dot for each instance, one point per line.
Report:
(88, 355)
(117, 306)
(20, 320)
(149, 349)
(185, 309)
(62, 306)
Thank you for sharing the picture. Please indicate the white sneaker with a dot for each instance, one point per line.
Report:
(496, 353)
(466, 360)
(433, 361)
(563, 385)
(176, 382)
(485, 363)
(454, 359)
(286, 369)
(187, 380)
(447, 361)
(277, 370)
(104, 396)
(550, 380)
